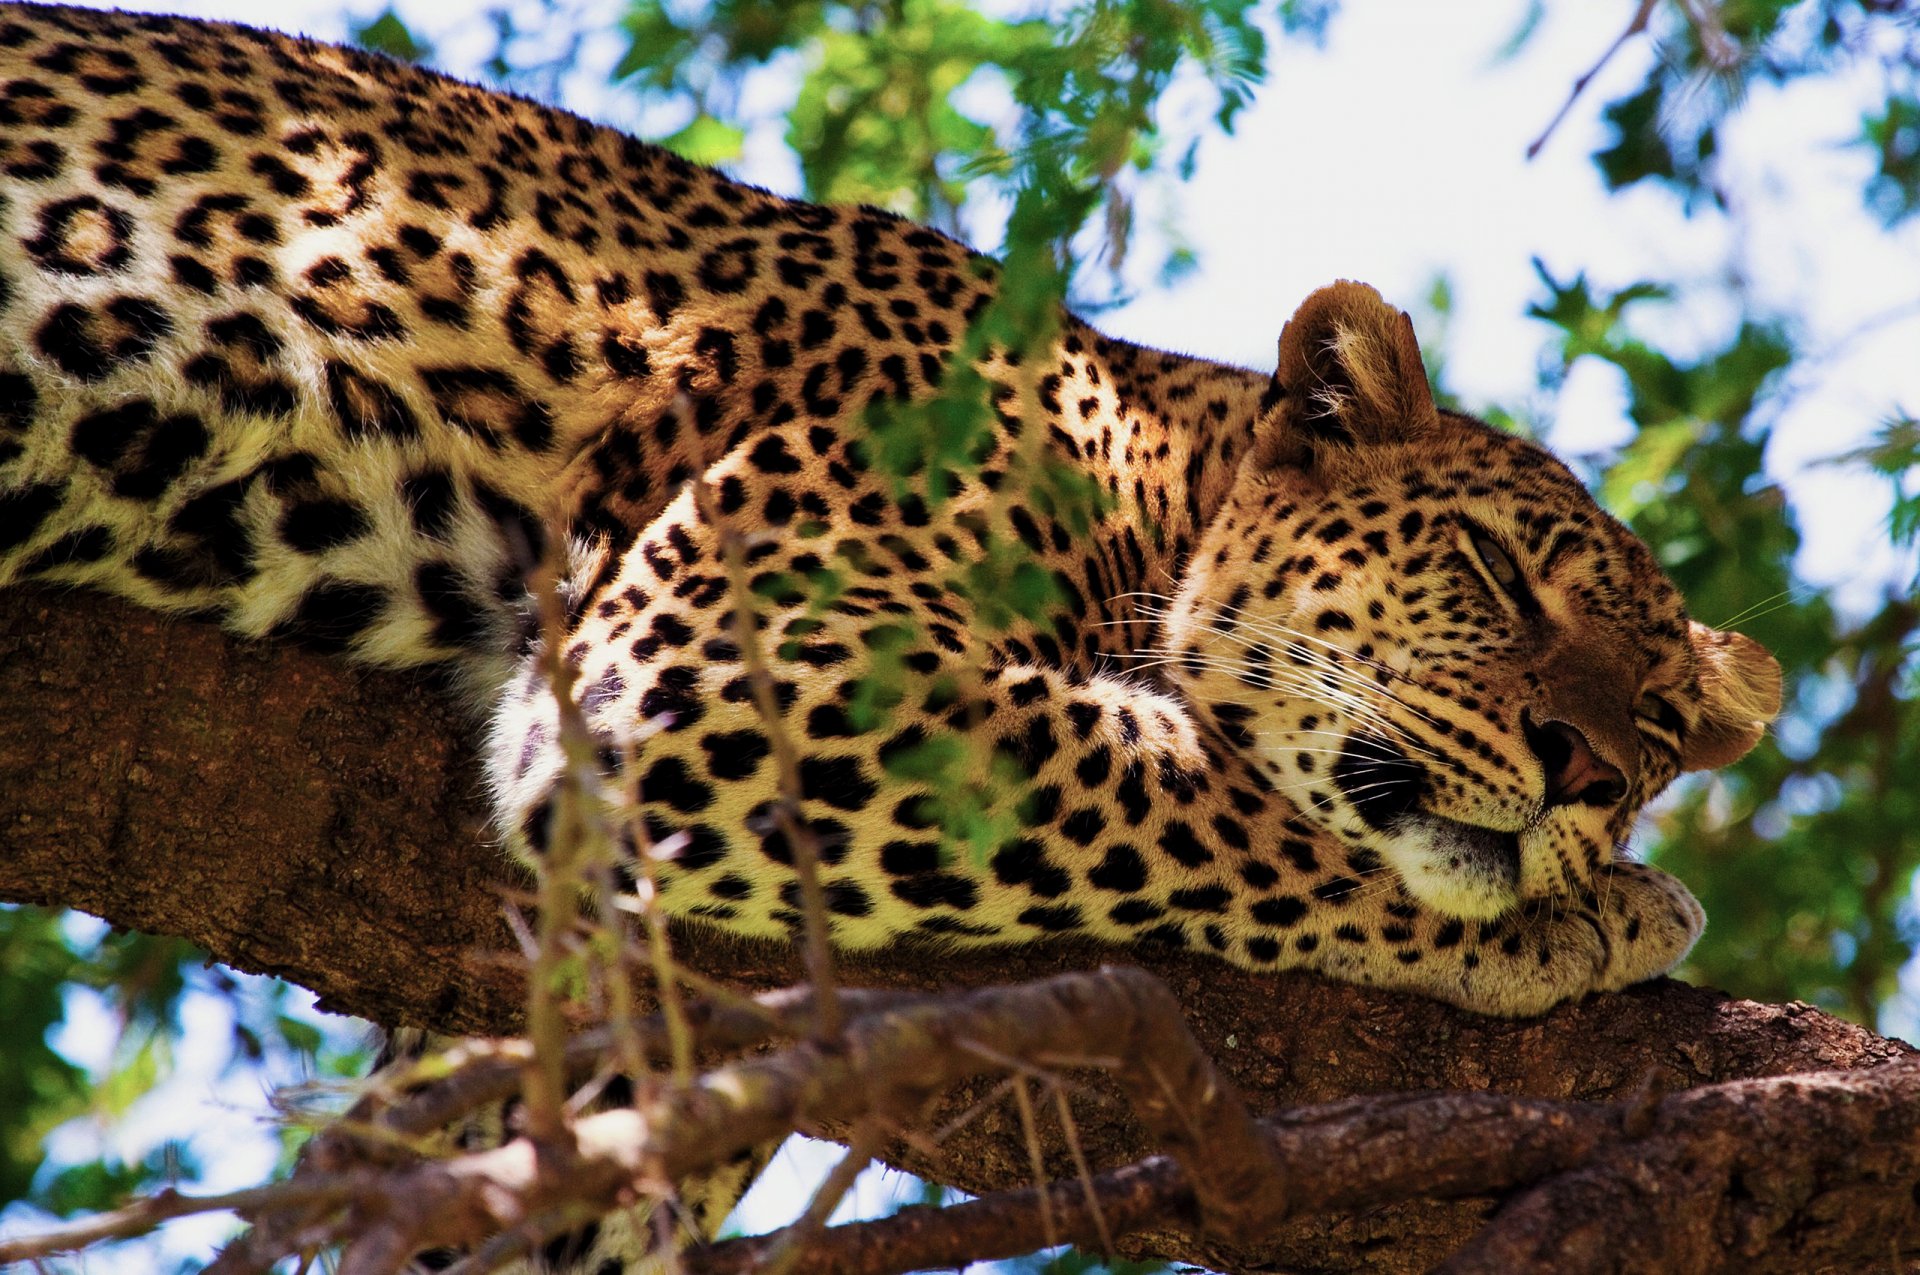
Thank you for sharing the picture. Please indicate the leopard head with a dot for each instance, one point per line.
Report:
(1434, 642)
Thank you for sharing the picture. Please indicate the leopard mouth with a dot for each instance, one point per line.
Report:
(1457, 868)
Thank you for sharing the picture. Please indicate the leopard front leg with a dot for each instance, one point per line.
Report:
(1635, 923)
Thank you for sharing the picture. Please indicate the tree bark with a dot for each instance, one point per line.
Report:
(299, 817)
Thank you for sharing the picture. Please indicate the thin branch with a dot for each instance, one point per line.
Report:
(1814, 1170)
(1004, 1225)
(1071, 1132)
(481, 1073)
(1634, 28)
(1806, 1172)
(142, 1216)
(786, 811)
(576, 832)
(658, 947)
(868, 1136)
(890, 1061)
(1036, 1158)
(1347, 1156)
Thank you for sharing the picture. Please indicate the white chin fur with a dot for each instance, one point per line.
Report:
(1438, 878)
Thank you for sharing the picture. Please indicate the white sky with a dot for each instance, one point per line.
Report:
(1396, 154)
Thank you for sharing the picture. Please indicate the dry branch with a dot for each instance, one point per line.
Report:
(1606, 1195)
(884, 1068)
(1787, 1174)
(799, 834)
(298, 817)
(1636, 25)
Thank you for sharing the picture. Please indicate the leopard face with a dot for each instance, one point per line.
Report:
(1435, 643)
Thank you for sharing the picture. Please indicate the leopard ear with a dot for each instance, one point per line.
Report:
(1739, 695)
(1349, 375)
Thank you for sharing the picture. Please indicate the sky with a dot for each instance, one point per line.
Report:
(1394, 155)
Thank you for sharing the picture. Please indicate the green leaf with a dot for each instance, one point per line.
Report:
(706, 140)
(1893, 138)
(388, 34)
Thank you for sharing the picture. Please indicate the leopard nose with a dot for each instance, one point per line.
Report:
(1575, 776)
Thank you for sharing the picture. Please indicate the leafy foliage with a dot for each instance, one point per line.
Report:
(1893, 136)
(1804, 854)
(129, 993)
(889, 106)
(1712, 56)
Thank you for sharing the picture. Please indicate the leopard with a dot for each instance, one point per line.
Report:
(328, 348)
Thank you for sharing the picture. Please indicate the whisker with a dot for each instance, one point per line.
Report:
(1295, 639)
(1369, 714)
(1766, 606)
(1301, 654)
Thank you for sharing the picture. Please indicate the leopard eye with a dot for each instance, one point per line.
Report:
(1658, 713)
(1496, 561)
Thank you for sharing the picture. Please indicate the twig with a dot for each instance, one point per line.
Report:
(1346, 1156)
(1071, 1132)
(786, 810)
(1006, 1224)
(889, 1062)
(482, 1073)
(973, 1111)
(1820, 1164)
(659, 950)
(1036, 1158)
(1044, 1067)
(144, 1215)
(570, 842)
(693, 980)
(1635, 27)
(865, 1143)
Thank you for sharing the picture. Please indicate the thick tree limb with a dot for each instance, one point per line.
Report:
(298, 817)
(1787, 1174)
(1792, 1174)
(1341, 1157)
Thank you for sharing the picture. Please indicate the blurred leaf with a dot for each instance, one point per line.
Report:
(1640, 150)
(389, 35)
(39, 1089)
(1893, 136)
(705, 140)
(1307, 19)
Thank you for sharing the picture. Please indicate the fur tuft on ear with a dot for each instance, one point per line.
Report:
(1739, 696)
(1349, 374)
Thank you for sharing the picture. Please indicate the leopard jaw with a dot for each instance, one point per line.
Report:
(1455, 868)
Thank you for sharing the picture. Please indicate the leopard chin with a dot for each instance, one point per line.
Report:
(1457, 869)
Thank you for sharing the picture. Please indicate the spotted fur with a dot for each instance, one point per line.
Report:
(321, 345)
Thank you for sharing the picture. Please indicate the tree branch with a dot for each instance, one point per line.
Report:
(299, 817)
(1824, 1166)
(1636, 25)
(893, 1061)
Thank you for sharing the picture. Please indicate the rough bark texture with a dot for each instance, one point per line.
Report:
(1791, 1174)
(302, 818)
